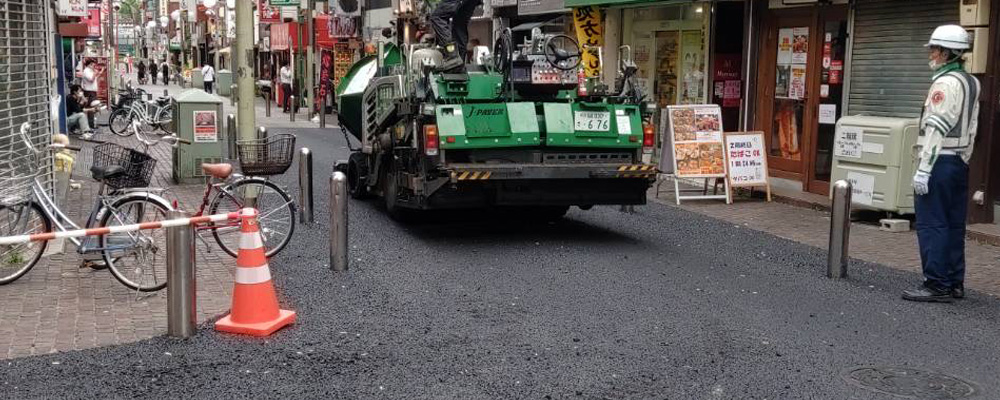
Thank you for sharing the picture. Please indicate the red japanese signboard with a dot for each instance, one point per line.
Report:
(268, 12)
(94, 23)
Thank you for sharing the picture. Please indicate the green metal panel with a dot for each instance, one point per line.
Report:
(478, 87)
(487, 125)
(622, 125)
(187, 158)
(223, 79)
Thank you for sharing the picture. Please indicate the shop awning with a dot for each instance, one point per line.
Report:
(619, 3)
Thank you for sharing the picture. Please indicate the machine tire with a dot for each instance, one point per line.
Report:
(390, 194)
(356, 170)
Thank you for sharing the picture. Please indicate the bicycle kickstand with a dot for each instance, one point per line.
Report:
(204, 241)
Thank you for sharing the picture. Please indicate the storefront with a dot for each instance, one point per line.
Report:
(338, 48)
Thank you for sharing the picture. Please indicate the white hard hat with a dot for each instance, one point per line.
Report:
(950, 37)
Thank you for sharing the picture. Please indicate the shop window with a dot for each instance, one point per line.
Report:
(669, 47)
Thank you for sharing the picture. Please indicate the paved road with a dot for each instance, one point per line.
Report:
(663, 303)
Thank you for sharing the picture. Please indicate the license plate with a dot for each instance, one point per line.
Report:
(592, 121)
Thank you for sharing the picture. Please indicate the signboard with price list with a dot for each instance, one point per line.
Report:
(746, 160)
(696, 140)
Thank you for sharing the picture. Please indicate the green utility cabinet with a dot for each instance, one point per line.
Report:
(198, 118)
(223, 79)
(878, 156)
(197, 79)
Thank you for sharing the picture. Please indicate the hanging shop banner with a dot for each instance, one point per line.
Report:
(697, 141)
(206, 128)
(231, 24)
(72, 8)
(94, 23)
(589, 32)
(326, 64)
(269, 13)
(347, 8)
(746, 160)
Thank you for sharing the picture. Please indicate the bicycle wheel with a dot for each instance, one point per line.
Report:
(138, 258)
(276, 214)
(164, 117)
(21, 219)
(120, 122)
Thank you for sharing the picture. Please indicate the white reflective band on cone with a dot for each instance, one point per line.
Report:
(253, 275)
(250, 241)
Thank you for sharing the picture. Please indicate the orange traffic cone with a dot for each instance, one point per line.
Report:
(255, 306)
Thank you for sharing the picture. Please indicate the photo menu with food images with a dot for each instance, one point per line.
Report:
(698, 145)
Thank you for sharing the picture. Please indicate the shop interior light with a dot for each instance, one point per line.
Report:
(698, 10)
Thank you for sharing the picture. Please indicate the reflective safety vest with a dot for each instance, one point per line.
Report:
(950, 117)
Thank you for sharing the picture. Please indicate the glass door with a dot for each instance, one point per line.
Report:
(830, 89)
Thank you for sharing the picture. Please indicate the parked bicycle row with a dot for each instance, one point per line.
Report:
(124, 197)
(133, 105)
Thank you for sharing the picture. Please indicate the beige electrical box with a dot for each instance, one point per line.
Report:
(975, 13)
(975, 58)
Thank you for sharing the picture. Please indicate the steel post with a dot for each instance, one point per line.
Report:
(262, 133)
(840, 230)
(305, 186)
(267, 103)
(165, 93)
(322, 111)
(338, 221)
(232, 94)
(182, 315)
(292, 107)
(231, 135)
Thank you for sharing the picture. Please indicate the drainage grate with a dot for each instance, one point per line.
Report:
(910, 383)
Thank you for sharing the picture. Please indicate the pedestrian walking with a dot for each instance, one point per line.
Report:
(165, 69)
(947, 135)
(88, 81)
(285, 76)
(208, 76)
(140, 71)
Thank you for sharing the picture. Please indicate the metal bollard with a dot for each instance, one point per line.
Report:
(182, 315)
(322, 112)
(267, 104)
(840, 230)
(306, 185)
(232, 94)
(165, 93)
(292, 108)
(231, 136)
(261, 132)
(338, 221)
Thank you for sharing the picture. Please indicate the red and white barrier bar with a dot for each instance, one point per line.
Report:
(118, 229)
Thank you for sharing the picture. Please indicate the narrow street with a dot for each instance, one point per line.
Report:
(663, 303)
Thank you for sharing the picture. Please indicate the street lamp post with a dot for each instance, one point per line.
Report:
(243, 67)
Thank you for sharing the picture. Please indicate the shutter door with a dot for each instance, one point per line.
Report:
(889, 73)
(24, 81)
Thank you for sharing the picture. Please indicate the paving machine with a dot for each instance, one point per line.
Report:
(526, 130)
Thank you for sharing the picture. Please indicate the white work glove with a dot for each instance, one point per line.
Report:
(920, 180)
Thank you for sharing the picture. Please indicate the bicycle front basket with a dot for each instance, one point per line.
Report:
(270, 156)
(138, 165)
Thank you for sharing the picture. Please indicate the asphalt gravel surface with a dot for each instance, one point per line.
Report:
(659, 304)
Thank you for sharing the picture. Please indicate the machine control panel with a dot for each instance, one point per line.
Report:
(535, 70)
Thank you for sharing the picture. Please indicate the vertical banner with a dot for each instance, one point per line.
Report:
(590, 34)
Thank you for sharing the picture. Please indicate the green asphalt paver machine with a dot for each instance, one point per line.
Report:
(526, 131)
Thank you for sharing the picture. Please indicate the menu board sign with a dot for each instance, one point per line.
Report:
(698, 147)
(746, 159)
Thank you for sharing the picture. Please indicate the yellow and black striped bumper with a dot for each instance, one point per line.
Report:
(542, 171)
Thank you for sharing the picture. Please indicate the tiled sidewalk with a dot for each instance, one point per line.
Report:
(867, 242)
(59, 306)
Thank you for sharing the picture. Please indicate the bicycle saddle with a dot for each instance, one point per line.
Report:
(221, 171)
(102, 172)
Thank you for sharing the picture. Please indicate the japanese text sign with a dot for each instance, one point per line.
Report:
(589, 32)
(746, 159)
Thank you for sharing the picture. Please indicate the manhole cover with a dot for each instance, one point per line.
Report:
(910, 383)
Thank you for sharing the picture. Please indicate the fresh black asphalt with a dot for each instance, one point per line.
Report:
(660, 304)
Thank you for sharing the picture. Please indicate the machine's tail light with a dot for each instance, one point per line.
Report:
(648, 140)
(431, 140)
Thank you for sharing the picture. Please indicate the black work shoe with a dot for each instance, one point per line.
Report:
(928, 294)
(958, 292)
(451, 63)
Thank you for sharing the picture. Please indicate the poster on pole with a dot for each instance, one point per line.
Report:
(746, 160)
(206, 127)
(698, 146)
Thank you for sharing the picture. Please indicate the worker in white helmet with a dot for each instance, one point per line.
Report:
(947, 134)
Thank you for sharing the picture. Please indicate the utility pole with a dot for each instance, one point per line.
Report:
(243, 67)
(310, 56)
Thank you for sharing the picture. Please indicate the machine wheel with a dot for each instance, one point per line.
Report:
(357, 177)
(390, 194)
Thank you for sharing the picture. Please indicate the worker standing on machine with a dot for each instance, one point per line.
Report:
(450, 20)
(941, 183)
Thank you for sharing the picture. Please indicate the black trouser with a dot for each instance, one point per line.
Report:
(208, 86)
(450, 20)
(91, 96)
(286, 92)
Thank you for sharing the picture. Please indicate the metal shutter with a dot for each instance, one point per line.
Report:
(889, 74)
(24, 74)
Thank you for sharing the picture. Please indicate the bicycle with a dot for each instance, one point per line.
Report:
(139, 110)
(258, 158)
(27, 208)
